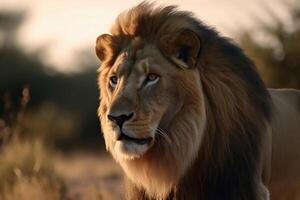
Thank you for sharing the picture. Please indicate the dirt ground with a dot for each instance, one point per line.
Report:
(90, 176)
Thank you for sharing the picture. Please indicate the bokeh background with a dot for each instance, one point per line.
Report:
(49, 133)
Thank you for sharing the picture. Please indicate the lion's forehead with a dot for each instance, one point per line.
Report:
(133, 68)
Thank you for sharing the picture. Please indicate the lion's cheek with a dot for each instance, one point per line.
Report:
(109, 135)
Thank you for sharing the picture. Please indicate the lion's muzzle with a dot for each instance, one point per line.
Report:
(120, 120)
(140, 141)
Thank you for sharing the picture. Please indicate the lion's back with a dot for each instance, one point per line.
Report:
(290, 97)
(285, 173)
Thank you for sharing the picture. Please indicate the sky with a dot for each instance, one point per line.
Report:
(68, 26)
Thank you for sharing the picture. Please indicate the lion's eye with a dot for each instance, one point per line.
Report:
(113, 80)
(152, 77)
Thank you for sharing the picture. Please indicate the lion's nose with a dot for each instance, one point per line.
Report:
(119, 120)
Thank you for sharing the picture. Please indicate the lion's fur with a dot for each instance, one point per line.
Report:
(285, 174)
(227, 161)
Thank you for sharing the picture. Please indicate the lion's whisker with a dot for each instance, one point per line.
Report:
(164, 135)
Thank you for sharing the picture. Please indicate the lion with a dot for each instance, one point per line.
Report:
(184, 111)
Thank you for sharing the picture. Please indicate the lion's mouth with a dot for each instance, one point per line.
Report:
(140, 141)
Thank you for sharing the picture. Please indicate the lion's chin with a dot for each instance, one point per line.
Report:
(129, 150)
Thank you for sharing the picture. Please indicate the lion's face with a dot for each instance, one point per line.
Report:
(140, 95)
(152, 108)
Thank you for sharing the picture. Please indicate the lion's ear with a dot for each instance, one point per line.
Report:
(105, 47)
(183, 48)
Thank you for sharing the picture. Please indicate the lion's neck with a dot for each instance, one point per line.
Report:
(152, 176)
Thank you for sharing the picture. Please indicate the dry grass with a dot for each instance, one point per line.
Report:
(25, 165)
(33, 188)
(29, 171)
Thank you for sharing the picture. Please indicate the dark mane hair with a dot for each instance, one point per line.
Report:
(238, 106)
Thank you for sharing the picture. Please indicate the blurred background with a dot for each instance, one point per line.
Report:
(49, 133)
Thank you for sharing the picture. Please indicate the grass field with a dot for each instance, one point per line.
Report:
(29, 171)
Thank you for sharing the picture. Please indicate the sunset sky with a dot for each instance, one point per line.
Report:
(66, 26)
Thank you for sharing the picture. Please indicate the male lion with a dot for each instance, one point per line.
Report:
(183, 110)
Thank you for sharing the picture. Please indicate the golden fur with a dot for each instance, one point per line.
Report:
(208, 114)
